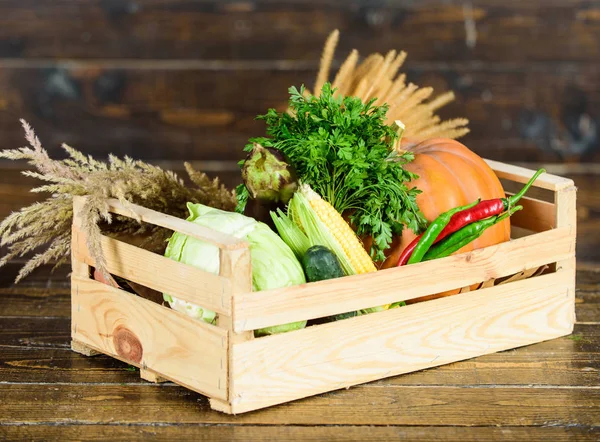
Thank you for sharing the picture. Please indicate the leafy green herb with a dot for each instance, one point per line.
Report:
(341, 147)
(241, 195)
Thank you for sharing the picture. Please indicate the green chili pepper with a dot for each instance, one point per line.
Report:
(432, 232)
(467, 234)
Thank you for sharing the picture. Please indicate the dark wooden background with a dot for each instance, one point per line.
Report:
(183, 79)
(173, 80)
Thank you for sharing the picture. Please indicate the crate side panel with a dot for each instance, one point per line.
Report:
(150, 336)
(261, 309)
(537, 216)
(293, 365)
(522, 175)
(159, 273)
(219, 239)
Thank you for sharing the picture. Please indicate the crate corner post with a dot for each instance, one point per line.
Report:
(566, 216)
(235, 266)
(79, 269)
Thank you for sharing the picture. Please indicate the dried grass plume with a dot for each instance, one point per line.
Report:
(44, 228)
(377, 77)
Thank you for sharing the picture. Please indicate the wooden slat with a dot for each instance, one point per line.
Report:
(36, 351)
(522, 175)
(516, 113)
(35, 301)
(575, 407)
(260, 433)
(32, 317)
(292, 365)
(32, 332)
(261, 309)
(515, 32)
(537, 216)
(61, 365)
(202, 233)
(159, 273)
(145, 334)
(587, 301)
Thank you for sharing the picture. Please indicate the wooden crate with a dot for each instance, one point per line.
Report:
(241, 373)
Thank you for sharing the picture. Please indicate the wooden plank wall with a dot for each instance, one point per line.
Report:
(183, 79)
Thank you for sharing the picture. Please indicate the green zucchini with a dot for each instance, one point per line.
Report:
(320, 264)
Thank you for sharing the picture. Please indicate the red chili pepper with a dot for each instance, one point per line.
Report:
(481, 211)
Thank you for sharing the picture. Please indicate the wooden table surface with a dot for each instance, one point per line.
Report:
(547, 391)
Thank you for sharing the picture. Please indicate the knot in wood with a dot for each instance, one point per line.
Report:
(127, 344)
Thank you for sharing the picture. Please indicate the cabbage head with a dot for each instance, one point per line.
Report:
(274, 265)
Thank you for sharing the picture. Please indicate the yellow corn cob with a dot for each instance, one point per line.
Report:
(341, 231)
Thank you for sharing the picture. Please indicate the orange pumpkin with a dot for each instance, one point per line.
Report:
(450, 175)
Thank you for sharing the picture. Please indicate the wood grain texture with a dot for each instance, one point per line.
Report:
(159, 273)
(326, 357)
(236, 266)
(35, 301)
(528, 80)
(522, 175)
(407, 406)
(587, 302)
(258, 433)
(39, 333)
(35, 332)
(147, 335)
(571, 360)
(536, 216)
(150, 376)
(83, 349)
(531, 113)
(538, 30)
(61, 365)
(308, 301)
(219, 239)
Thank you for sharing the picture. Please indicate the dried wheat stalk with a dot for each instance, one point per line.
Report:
(377, 77)
(47, 225)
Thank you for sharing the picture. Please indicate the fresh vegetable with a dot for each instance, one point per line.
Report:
(434, 229)
(341, 147)
(324, 226)
(320, 264)
(267, 176)
(450, 175)
(273, 263)
(397, 304)
(291, 233)
(467, 234)
(342, 316)
(482, 210)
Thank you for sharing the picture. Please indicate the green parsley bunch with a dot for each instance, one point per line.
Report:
(342, 148)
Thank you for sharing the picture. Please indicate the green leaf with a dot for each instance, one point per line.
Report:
(242, 195)
(342, 148)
